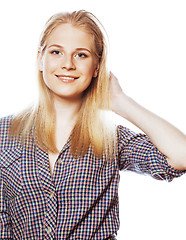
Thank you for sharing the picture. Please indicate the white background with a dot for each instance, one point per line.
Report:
(148, 55)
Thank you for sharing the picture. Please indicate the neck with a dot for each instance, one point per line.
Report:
(66, 111)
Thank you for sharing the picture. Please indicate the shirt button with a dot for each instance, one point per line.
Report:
(49, 230)
(52, 194)
(60, 161)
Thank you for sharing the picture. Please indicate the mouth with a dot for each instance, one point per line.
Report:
(66, 79)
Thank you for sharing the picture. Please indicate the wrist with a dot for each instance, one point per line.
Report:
(119, 104)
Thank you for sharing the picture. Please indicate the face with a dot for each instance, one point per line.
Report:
(68, 63)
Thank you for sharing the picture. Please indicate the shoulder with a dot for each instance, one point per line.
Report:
(124, 132)
(126, 136)
(5, 123)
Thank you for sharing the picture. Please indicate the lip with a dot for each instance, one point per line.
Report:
(67, 78)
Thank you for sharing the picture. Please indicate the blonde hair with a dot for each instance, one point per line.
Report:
(90, 128)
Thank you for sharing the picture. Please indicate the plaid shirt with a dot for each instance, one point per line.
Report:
(81, 200)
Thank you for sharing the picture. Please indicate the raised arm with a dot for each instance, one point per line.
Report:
(167, 138)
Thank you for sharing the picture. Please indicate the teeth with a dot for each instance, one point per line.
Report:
(67, 78)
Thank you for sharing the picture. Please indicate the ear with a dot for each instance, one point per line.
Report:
(39, 61)
(96, 71)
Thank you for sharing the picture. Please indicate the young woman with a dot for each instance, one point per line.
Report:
(60, 159)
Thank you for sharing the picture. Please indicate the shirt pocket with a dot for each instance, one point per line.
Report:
(10, 166)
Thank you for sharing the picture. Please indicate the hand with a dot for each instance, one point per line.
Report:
(117, 95)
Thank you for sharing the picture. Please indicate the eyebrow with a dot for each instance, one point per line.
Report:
(77, 49)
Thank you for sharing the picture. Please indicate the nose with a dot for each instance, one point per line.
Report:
(68, 63)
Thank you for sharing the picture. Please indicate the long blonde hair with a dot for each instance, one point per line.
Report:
(90, 129)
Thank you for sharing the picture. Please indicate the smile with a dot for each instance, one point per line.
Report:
(66, 79)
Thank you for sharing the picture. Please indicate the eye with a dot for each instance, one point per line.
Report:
(80, 55)
(55, 52)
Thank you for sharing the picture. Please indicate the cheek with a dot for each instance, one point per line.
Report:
(87, 69)
(48, 65)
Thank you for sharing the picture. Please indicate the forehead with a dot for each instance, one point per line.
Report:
(67, 35)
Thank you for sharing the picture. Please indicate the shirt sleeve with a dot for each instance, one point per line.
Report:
(137, 153)
(5, 224)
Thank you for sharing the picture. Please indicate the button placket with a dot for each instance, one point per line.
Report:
(51, 214)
